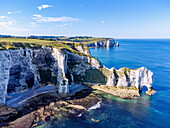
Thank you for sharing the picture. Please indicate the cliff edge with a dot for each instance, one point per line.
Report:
(27, 66)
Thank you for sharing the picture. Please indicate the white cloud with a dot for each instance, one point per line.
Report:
(32, 23)
(40, 19)
(6, 21)
(2, 17)
(14, 12)
(44, 6)
(102, 22)
(6, 24)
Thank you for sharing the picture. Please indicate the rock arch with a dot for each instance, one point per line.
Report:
(148, 86)
(150, 90)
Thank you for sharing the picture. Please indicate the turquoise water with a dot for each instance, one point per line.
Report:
(144, 112)
(147, 111)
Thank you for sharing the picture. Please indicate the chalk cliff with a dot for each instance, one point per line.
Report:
(24, 69)
(103, 43)
(126, 77)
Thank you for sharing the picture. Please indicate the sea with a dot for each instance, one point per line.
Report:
(144, 112)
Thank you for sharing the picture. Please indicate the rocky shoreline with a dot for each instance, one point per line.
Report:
(45, 108)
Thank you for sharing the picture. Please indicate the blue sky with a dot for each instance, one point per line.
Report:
(99, 18)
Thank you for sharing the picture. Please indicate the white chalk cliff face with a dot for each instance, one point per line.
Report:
(103, 43)
(126, 77)
(62, 70)
(24, 69)
(4, 74)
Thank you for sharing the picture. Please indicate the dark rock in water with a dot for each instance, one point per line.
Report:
(87, 102)
(8, 114)
(23, 122)
(47, 119)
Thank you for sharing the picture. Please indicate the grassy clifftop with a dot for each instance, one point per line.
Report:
(84, 40)
(16, 43)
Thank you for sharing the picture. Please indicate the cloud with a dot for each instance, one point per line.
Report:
(44, 6)
(14, 12)
(6, 21)
(6, 24)
(102, 22)
(32, 23)
(2, 17)
(41, 19)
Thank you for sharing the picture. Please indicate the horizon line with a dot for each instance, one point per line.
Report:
(90, 36)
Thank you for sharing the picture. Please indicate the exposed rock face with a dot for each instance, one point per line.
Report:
(126, 77)
(4, 74)
(94, 72)
(23, 73)
(7, 114)
(23, 122)
(83, 48)
(62, 81)
(24, 69)
(103, 43)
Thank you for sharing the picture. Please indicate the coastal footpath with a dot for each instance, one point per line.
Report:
(67, 66)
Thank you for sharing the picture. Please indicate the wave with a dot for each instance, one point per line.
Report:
(80, 114)
(92, 107)
(95, 106)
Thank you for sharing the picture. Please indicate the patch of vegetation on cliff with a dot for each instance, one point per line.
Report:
(128, 88)
(69, 49)
(122, 92)
(105, 71)
(123, 71)
(76, 44)
(91, 76)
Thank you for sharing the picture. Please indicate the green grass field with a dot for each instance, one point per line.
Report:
(22, 40)
(16, 43)
(84, 40)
